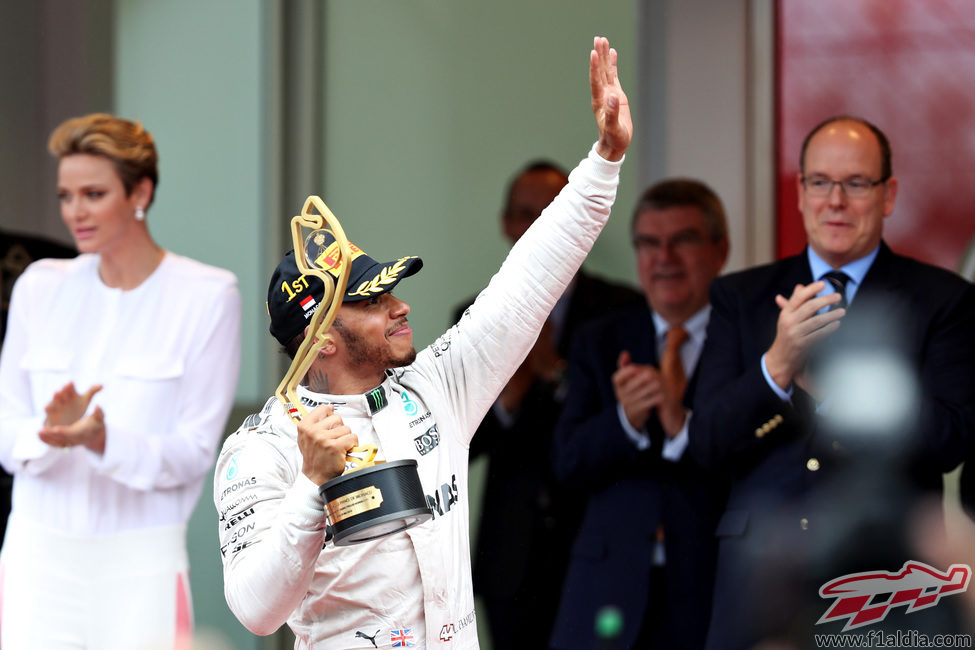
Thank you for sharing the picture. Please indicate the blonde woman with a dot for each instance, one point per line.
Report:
(116, 380)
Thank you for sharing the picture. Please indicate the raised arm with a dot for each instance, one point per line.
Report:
(495, 334)
(609, 102)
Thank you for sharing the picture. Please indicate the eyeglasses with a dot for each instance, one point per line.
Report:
(854, 187)
(684, 240)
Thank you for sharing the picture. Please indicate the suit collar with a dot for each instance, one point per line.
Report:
(884, 275)
(696, 325)
(855, 270)
(794, 270)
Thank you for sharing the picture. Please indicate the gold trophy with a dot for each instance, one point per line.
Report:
(371, 498)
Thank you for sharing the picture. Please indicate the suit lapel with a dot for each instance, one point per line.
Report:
(763, 311)
(883, 280)
(882, 298)
(795, 271)
(640, 337)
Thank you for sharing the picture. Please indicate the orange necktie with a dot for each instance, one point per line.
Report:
(671, 365)
(674, 378)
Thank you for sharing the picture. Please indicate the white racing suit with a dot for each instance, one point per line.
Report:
(413, 588)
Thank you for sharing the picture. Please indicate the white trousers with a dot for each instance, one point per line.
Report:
(123, 591)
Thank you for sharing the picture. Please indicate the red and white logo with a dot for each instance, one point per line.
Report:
(308, 303)
(447, 632)
(859, 596)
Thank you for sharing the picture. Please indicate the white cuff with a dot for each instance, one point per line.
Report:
(593, 155)
(674, 447)
(639, 438)
(785, 396)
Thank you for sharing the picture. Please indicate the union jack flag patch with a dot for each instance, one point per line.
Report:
(402, 638)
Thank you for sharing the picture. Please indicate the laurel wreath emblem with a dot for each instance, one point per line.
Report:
(388, 275)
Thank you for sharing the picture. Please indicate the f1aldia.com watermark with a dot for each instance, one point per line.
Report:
(863, 599)
(897, 639)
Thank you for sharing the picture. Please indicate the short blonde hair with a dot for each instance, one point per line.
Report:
(127, 144)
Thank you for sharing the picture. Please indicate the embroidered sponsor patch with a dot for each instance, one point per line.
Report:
(442, 500)
(377, 399)
(371, 639)
(402, 638)
(448, 630)
(427, 442)
(238, 485)
(409, 406)
(441, 345)
(237, 518)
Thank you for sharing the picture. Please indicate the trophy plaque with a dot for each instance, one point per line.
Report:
(371, 498)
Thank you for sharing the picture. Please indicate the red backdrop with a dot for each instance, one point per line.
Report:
(908, 66)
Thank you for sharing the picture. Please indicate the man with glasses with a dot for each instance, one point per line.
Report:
(765, 414)
(646, 544)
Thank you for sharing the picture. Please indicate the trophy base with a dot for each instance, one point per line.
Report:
(375, 501)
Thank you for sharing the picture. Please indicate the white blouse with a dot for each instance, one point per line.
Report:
(167, 353)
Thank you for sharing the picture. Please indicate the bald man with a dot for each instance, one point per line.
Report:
(764, 413)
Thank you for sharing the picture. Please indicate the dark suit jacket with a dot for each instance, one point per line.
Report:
(627, 494)
(527, 523)
(786, 467)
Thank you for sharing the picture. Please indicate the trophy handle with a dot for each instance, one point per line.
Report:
(315, 215)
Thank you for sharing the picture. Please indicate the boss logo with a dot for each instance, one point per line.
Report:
(425, 443)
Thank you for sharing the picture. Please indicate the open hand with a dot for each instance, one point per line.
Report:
(68, 405)
(65, 423)
(88, 431)
(638, 389)
(641, 388)
(609, 103)
(798, 328)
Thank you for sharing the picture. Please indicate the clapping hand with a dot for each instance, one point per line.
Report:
(800, 325)
(65, 422)
(640, 388)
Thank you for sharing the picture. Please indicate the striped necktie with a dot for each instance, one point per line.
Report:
(838, 280)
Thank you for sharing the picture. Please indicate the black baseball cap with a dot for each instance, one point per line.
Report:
(293, 296)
